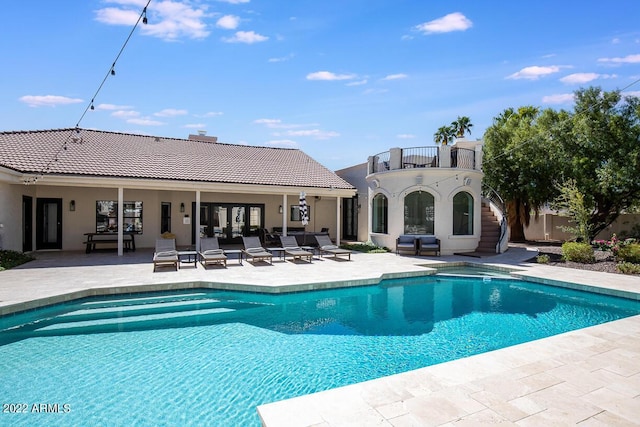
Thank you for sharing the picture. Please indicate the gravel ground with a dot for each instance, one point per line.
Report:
(604, 259)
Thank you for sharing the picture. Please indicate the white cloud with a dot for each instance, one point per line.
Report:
(169, 19)
(282, 58)
(452, 22)
(581, 78)
(534, 72)
(211, 114)
(228, 22)
(357, 83)
(124, 114)
(405, 136)
(235, 1)
(629, 59)
(561, 98)
(316, 133)
(111, 107)
(284, 143)
(268, 122)
(195, 126)
(329, 76)
(170, 112)
(145, 122)
(395, 76)
(48, 100)
(248, 37)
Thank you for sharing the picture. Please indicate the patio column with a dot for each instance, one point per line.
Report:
(197, 221)
(284, 214)
(338, 199)
(120, 219)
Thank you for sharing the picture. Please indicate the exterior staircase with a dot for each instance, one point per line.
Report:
(490, 231)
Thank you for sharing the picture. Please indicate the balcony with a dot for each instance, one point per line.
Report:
(463, 155)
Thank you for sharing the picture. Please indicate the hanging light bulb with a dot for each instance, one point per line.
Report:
(144, 16)
(92, 107)
(113, 72)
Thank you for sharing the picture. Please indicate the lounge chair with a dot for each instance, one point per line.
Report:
(166, 254)
(326, 246)
(291, 248)
(210, 252)
(253, 250)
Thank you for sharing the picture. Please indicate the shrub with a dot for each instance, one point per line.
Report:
(10, 259)
(629, 253)
(628, 268)
(578, 252)
(543, 259)
(368, 247)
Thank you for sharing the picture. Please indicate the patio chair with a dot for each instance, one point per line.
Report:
(165, 254)
(406, 243)
(210, 252)
(326, 246)
(291, 248)
(253, 250)
(428, 243)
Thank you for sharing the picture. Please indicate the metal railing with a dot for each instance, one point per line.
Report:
(381, 162)
(463, 158)
(494, 198)
(420, 157)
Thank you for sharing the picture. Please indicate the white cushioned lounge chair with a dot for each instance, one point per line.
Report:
(291, 248)
(254, 251)
(210, 252)
(165, 254)
(326, 246)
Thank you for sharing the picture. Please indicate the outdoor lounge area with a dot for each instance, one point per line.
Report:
(526, 384)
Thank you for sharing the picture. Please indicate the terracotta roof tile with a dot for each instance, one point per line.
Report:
(111, 154)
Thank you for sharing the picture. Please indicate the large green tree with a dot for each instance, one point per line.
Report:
(522, 162)
(603, 153)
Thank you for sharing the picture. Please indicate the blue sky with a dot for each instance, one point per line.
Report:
(338, 79)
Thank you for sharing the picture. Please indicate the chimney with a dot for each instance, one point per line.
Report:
(202, 137)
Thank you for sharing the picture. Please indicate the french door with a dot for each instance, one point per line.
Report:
(49, 223)
(229, 222)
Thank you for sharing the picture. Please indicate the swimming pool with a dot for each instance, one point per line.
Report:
(203, 357)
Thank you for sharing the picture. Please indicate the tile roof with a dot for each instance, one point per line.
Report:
(111, 154)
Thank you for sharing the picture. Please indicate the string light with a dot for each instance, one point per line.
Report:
(111, 72)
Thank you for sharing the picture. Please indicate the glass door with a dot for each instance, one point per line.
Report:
(49, 224)
(229, 222)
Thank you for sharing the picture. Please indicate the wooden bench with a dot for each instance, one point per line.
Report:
(95, 239)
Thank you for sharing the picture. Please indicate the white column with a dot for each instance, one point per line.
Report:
(197, 221)
(338, 199)
(369, 212)
(284, 214)
(120, 219)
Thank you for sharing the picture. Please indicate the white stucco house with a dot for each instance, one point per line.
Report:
(428, 191)
(57, 186)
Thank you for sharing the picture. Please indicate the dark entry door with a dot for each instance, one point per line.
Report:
(27, 224)
(350, 218)
(49, 224)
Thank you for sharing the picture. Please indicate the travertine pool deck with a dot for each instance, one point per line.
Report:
(589, 377)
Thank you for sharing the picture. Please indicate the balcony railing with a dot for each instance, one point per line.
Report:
(420, 157)
(381, 162)
(425, 157)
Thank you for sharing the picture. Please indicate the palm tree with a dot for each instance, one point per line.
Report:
(461, 126)
(444, 134)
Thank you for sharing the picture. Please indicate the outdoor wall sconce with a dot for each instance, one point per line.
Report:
(280, 209)
(181, 207)
(72, 205)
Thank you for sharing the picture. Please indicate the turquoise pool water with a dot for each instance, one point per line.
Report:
(202, 357)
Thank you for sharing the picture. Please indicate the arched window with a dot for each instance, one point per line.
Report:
(379, 214)
(462, 214)
(419, 213)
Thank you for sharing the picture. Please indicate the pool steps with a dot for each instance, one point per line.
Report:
(127, 314)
